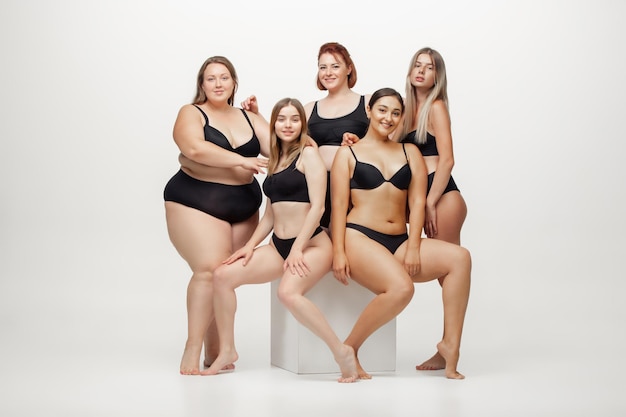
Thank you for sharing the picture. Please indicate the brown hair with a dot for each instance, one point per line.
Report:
(200, 95)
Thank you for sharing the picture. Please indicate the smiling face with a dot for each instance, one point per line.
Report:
(385, 114)
(218, 83)
(423, 73)
(332, 71)
(288, 126)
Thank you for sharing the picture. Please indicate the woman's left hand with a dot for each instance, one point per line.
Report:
(250, 104)
(349, 139)
(295, 263)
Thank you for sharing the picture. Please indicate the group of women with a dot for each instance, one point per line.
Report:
(392, 180)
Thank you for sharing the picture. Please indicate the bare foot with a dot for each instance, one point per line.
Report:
(347, 363)
(223, 362)
(191, 359)
(361, 372)
(451, 356)
(434, 363)
(208, 362)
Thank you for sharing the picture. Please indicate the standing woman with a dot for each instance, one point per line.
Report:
(427, 124)
(299, 252)
(212, 202)
(380, 178)
(342, 110)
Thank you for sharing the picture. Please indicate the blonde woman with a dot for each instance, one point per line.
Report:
(427, 124)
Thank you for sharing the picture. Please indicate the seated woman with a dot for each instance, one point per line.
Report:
(379, 178)
(299, 252)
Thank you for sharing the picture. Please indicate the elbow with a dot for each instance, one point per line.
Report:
(318, 210)
(446, 164)
(192, 153)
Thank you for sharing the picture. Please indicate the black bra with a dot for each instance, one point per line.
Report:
(330, 131)
(429, 148)
(287, 185)
(249, 149)
(367, 176)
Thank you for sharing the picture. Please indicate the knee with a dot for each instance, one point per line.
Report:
(286, 296)
(220, 277)
(404, 293)
(204, 275)
(465, 258)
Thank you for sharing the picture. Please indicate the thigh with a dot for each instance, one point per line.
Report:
(372, 265)
(265, 265)
(202, 240)
(437, 258)
(318, 256)
(241, 232)
(451, 213)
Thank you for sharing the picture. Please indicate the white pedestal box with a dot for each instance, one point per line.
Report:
(295, 348)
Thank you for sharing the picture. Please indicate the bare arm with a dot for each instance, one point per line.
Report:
(440, 122)
(315, 173)
(416, 203)
(189, 137)
(340, 190)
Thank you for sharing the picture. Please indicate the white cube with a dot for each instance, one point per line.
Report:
(296, 349)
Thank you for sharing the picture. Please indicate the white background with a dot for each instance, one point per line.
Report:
(89, 92)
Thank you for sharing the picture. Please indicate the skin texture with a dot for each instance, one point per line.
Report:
(204, 241)
(391, 276)
(308, 261)
(445, 213)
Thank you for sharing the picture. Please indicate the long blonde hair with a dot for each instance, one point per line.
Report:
(293, 149)
(439, 91)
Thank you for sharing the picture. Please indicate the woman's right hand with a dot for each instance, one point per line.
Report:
(341, 268)
(245, 253)
(255, 164)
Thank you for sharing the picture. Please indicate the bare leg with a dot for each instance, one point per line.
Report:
(212, 347)
(454, 262)
(451, 214)
(380, 272)
(241, 232)
(193, 234)
(266, 265)
(291, 293)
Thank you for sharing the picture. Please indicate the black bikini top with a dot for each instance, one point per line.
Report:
(367, 176)
(249, 149)
(287, 185)
(429, 148)
(330, 131)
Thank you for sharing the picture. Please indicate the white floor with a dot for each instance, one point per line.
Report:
(96, 353)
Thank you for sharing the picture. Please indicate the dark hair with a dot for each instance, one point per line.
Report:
(385, 92)
(338, 50)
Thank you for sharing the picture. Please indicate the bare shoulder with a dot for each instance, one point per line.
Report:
(439, 108)
(189, 113)
(188, 109)
(412, 151)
